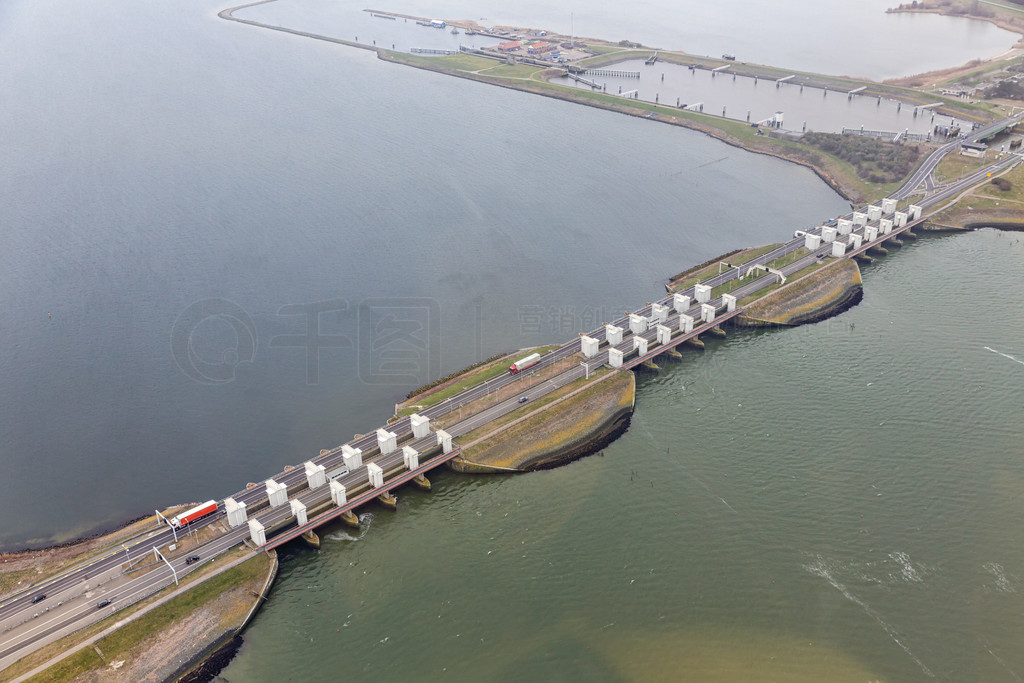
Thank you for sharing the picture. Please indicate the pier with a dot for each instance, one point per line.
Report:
(612, 73)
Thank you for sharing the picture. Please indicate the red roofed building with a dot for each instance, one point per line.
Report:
(509, 46)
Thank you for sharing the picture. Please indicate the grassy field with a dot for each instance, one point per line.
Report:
(746, 256)
(121, 643)
(955, 166)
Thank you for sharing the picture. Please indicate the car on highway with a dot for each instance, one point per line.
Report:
(39, 598)
(102, 603)
(524, 399)
(190, 560)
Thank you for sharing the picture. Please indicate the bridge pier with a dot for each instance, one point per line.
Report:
(388, 500)
(696, 343)
(421, 483)
(349, 519)
(311, 539)
(673, 354)
(716, 331)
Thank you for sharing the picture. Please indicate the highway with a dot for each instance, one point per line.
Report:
(24, 625)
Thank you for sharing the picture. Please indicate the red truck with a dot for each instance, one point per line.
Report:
(198, 512)
(524, 363)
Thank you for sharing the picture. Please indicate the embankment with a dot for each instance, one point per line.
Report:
(822, 294)
(576, 425)
(961, 218)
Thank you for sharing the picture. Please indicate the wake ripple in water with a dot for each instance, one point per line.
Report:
(342, 535)
(1003, 583)
(1005, 355)
(819, 568)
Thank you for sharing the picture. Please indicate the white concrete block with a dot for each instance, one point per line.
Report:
(315, 474)
(870, 233)
(828, 235)
(615, 358)
(236, 512)
(298, 511)
(613, 334)
(353, 457)
(660, 312)
(730, 302)
(388, 441)
(860, 218)
(588, 345)
(914, 212)
(899, 219)
(844, 226)
(277, 494)
(257, 532)
(812, 242)
(874, 213)
(707, 313)
(664, 334)
(339, 496)
(681, 303)
(444, 440)
(888, 206)
(420, 425)
(855, 241)
(685, 323)
(411, 457)
(838, 249)
(374, 474)
(702, 293)
(640, 344)
(885, 226)
(637, 323)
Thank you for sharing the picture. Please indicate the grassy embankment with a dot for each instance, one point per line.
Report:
(559, 427)
(206, 612)
(819, 291)
(988, 205)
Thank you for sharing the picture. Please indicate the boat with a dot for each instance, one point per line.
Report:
(455, 31)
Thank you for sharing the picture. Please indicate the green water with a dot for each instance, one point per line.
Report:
(841, 502)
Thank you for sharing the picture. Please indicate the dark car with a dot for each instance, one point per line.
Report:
(524, 399)
(102, 603)
(39, 598)
(190, 560)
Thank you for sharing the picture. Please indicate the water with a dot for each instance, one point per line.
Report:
(834, 502)
(740, 96)
(171, 178)
(831, 36)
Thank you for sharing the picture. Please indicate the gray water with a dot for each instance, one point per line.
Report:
(166, 174)
(822, 36)
(835, 502)
(756, 100)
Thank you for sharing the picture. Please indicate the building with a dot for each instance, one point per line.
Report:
(509, 46)
(539, 48)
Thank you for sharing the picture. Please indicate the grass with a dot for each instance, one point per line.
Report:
(739, 259)
(472, 379)
(800, 274)
(955, 166)
(119, 644)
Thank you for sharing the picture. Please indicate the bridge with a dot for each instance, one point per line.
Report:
(337, 481)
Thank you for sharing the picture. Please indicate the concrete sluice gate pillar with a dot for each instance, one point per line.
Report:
(236, 512)
(855, 241)
(615, 358)
(843, 226)
(730, 302)
(702, 293)
(339, 496)
(899, 219)
(664, 334)
(685, 323)
(914, 212)
(640, 344)
(885, 225)
(838, 249)
(613, 334)
(316, 476)
(888, 206)
(707, 313)
(420, 425)
(828, 235)
(411, 457)
(298, 511)
(874, 213)
(353, 457)
(388, 441)
(637, 323)
(588, 345)
(860, 218)
(375, 475)
(444, 440)
(277, 494)
(812, 242)
(870, 233)
(660, 312)
(681, 303)
(257, 532)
